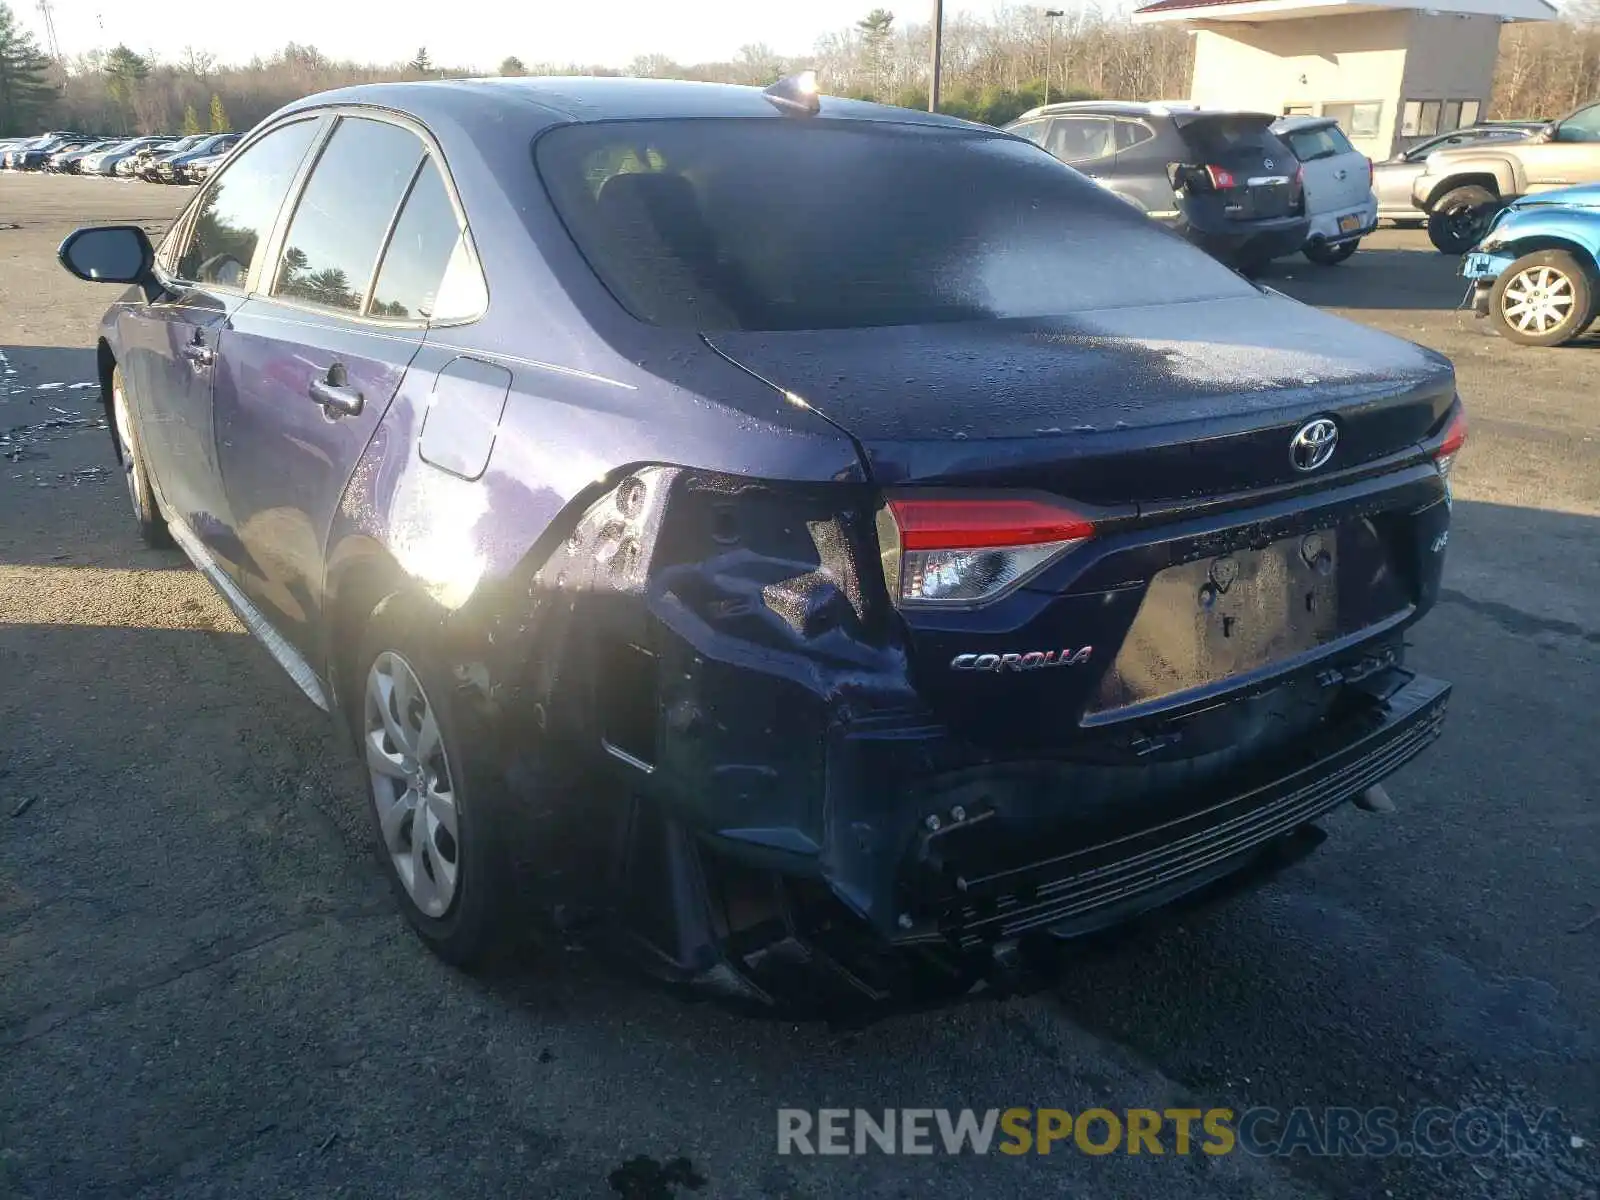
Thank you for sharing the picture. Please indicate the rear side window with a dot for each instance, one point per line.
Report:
(771, 225)
(1131, 133)
(345, 212)
(424, 240)
(1325, 142)
(238, 211)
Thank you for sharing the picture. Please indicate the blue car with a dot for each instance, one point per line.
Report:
(1536, 273)
(827, 545)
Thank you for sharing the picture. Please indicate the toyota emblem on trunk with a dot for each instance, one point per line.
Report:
(1267, 163)
(1313, 445)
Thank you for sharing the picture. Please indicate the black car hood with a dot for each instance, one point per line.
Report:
(932, 401)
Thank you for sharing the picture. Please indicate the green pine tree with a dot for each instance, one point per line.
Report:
(219, 116)
(191, 120)
(26, 93)
(421, 64)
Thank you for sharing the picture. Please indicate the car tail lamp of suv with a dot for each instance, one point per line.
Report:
(951, 550)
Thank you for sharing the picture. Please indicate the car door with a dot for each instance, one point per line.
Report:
(314, 358)
(1572, 155)
(170, 344)
(1141, 169)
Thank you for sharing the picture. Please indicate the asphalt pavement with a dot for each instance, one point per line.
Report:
(205, 991)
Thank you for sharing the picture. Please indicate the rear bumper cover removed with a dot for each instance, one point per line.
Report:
(972, 864)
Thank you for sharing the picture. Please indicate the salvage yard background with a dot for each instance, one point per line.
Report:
(204, 989)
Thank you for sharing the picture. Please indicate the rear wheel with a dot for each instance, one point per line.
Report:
(1543, 299)
(1460, 219)
(152, 528)
(1331, 256)
(435, 826)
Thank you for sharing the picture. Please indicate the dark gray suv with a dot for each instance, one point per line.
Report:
(1222, 179)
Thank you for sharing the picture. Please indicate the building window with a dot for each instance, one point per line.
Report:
(1425, 118)
(1299, 110)
(1359, 120)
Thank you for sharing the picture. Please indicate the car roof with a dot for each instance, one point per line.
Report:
(565, 99)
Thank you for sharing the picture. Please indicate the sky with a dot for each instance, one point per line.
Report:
(476, 33)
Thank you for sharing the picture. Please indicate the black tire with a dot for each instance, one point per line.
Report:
(1331, 256)
(1460, 218)
(130, 454)
(1564, 276)
(481, 910)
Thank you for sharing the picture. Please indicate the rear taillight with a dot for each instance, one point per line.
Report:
(1221, 178)
(1300, 175)
(1455, 436)
(957, 551)
(1369, 172)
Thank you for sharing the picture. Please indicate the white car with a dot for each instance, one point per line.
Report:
(1338, 184)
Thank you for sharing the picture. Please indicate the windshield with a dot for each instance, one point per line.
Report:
(768, 225)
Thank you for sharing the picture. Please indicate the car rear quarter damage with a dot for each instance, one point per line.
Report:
(724, 742)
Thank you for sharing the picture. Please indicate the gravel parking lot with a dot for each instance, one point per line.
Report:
(204, 990)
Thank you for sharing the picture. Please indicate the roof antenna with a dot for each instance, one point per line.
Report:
(795, 95)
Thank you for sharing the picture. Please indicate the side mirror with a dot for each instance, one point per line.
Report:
(109, 254)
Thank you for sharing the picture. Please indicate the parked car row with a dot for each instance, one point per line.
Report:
(1246, 187)
(154, 158)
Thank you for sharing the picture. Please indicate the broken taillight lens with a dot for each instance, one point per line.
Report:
(1455, 436)
(1221, 178)
(962, 551)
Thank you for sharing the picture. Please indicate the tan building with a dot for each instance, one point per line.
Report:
(1392, 72)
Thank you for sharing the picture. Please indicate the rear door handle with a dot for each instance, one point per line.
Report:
(335, 398)
(199, 353)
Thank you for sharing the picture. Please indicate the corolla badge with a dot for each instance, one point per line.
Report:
(1313, 445)
(1031, 661)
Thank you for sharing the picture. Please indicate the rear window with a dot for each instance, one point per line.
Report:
(762, 224)
(1327, 141)
(1216, 136)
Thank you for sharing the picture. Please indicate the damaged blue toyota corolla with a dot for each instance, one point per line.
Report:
(830, 545)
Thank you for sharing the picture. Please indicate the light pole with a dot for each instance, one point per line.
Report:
(1050, 15)
(938, 46)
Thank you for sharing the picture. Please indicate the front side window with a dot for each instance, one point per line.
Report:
(780, 225)
(344, 213)
(1034, 131)
(238, 211)
(1581, 126)
(425, 239)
